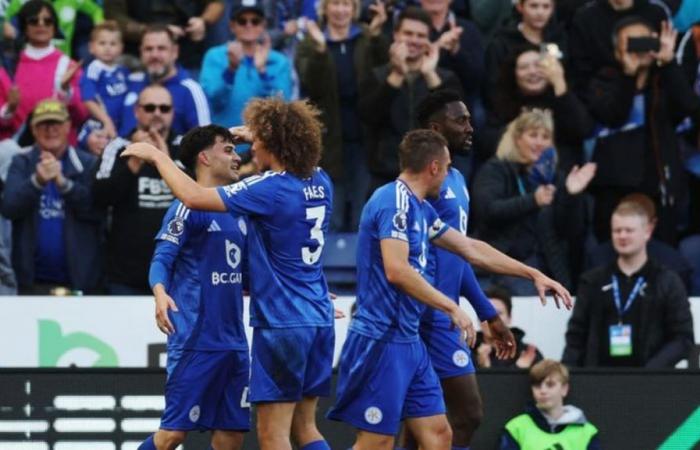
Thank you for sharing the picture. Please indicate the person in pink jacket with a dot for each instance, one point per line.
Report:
(43, 71)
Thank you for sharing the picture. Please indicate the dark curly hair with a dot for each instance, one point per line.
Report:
(32, 9)
(289, 130)
(199, 139)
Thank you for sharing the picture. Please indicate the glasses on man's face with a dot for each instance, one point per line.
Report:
(151, 108)
(43, 21)
(243, 21)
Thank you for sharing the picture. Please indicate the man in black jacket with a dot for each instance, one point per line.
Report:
(633, 312)
(136, 193)
(390, 93)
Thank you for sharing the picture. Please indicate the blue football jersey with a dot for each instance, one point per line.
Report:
(445, 267)
(288, 218)
(393, 212)
(204, 251)
(106, 85)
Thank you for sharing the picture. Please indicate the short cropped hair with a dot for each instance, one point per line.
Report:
(109, 26)
(289, 130)
(636, 204)
(198, 139)
(32, 9)
(500, 293)
(434, 103)
(158, 28)
(548, 367)
(413, 13)
(418, 148)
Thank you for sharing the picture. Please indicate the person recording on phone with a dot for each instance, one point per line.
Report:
(244, 68)
(389, 95)
(525, 207)
(531, 77)
(638, 102)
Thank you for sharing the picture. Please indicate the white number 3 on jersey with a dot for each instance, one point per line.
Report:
(317, 213)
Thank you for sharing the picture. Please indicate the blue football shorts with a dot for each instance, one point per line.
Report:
(449, 353)
(381, 383)
(207, 390)
(291, 363)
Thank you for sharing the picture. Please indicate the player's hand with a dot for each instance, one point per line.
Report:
(379, 18)
(580, 177)
(163, 303)
(241, 134)
(502, 338)
(461, 320)
(142, 150)
(544, 284)
(196, 28)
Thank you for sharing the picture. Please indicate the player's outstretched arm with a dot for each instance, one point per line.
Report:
(488, 258)
(185, 188)
(399, 272)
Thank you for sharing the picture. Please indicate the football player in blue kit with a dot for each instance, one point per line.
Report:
(288, 207)
(196, 278)
(385, 373)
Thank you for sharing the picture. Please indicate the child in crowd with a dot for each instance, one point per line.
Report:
(549, 423)
(104, 82)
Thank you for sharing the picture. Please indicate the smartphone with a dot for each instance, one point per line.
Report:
(550, 49)
(643, 44)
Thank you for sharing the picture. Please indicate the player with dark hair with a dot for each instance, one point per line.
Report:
(289, 207)
(196, 278)
(385, 373)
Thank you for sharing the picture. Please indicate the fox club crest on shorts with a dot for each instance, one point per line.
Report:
(194, 413)
(373, 415)
(460, 358)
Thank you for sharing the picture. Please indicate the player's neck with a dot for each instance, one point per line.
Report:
(414, 183)
(630, 264)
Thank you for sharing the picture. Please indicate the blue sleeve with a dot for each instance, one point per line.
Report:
(256, 195)
(216, 79)
(88, 85)
(278, 79)
(178, 224)
(128, 119)
(436, 227)
(196, 105)
(392, 223)
(472, 291)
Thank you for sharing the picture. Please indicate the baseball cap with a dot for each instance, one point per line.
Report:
(241, 6)
(50, 109)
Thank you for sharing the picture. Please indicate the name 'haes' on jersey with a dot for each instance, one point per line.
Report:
(452, 205)
(206, 250)
(289, 219)
(393, 212)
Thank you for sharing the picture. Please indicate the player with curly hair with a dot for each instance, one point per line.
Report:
(289, 207)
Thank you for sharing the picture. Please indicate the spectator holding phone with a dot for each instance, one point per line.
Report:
(244, 68)
(530, 78)
(536, 27)
(525, 207)
(638, 103)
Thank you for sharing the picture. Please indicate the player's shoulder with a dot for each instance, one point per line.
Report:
(394, 195)
(321, 175)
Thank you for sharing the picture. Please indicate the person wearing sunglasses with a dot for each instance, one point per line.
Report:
(159, 54)
(41, 64)
(244, 68)
(136, 193)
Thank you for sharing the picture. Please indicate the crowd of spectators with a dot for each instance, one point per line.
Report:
(575, 105)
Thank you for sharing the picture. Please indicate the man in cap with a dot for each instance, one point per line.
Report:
(47, 197)
(244, 68)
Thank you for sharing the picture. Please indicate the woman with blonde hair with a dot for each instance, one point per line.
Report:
(331, 61)
(525, 207)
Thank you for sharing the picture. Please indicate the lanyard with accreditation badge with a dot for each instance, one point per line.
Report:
(621, 335)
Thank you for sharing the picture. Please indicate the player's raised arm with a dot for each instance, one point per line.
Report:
(401, 274)
(185, 188)
(485, 256)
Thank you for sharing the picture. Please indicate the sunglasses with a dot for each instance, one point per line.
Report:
(255, 21)
(151, 108)
(43, 21)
